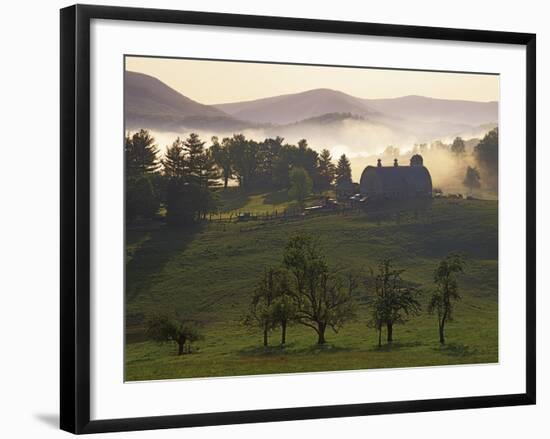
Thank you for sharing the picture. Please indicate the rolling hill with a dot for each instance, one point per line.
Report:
(152, 104)
(291, 108)
(421, 108)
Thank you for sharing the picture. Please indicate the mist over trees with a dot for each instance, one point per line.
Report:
(454, 165)
(486, 154)
(183, 178)
(471, 179)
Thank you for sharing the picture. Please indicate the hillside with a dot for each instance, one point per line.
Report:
(291, 108)
(421, 108)
(208, 274)
(149, 103)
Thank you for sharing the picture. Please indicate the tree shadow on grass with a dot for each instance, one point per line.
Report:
(233, 199)
(290, 349)
(395, 346)
(456, 350)
(278, 197)
(153, 254)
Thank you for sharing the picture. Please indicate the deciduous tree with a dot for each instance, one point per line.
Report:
(322, 299)
(300, 185)
(393, 302)
(446, 292)
(173, 329)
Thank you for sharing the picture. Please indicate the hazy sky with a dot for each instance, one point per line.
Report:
(216, 82)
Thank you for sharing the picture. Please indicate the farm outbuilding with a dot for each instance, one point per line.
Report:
(383, 182)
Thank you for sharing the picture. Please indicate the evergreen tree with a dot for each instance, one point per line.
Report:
(202, 168)
(343, 170)
(174, 163)
(141, 154)
(142, 200)
(327, 170)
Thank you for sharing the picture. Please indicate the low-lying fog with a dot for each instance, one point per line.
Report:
(364, 142)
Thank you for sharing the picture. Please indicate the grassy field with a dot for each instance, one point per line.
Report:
(208, 273)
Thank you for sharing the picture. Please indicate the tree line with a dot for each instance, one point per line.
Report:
(183, 179)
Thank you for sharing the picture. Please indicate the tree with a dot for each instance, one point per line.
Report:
(306, 158)
(174, 162)
(322, 300)
(471, 180)
(446, 293)
(262, 312)
(244, 156)
(393, 302)
(438, 145)
(486, 153)
(284, 305)
(200, 162)
(222, 158)
(327, 170)
(300, 185)
(142, 201)
(182, 332)
(141, 154)
(391, 152)
(458, 147)
(343, 170)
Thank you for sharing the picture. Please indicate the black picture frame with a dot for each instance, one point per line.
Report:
(75, 217)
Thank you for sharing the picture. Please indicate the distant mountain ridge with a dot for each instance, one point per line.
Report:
(435, 110)
(150, 103)
(292, 108)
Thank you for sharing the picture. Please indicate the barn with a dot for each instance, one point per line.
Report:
(393, 182)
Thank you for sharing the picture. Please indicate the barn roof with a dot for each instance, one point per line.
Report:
(401, 178)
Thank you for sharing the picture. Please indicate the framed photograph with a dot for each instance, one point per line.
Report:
(268, 218)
